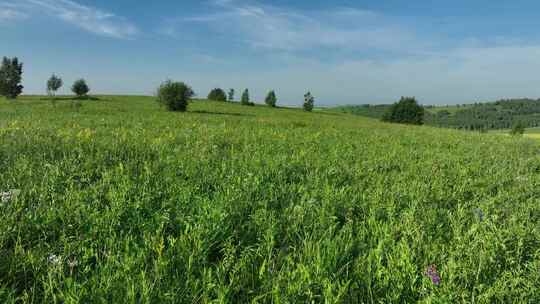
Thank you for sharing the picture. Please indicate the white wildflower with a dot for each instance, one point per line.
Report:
(11, 195)
(73, 263)
(54, 259)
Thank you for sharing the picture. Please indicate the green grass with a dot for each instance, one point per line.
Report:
(532, 133)
(123, 202)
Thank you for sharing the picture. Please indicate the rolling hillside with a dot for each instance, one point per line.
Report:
(121, 201)
(502, 114)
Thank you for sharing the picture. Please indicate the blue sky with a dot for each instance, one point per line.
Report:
(344, 51)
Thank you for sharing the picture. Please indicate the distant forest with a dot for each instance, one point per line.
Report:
(502, 114)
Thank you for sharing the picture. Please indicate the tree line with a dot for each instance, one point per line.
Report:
(11, 86)
(501, 114)
(174, 95)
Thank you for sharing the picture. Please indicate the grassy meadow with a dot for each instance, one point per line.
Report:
(123, 202)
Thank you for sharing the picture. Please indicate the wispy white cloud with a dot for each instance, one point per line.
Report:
(87, 18)
(11, 13)
(7, 14)
(277, 28)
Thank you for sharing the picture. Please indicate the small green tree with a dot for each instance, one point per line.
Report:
(54, 84)
(231, 94)
(271, 99)
(175, 96)
(309, 102)
(245, 98)
(80, 88)
(518, 129)
(10, 78)
(217, 95)
(406, 111)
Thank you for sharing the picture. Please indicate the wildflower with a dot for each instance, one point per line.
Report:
(73, 263)
(54, 259)
(432, 273)
(8, 196)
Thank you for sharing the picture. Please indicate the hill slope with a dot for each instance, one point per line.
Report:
(124, 202)
(502, 114)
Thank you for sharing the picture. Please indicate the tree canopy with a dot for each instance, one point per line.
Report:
(271, 99)
(175, 96)
(11, 77)
(217, 95)
(406, 111)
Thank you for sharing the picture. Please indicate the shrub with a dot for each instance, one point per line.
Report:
(406, 111)
(174, 96)
(309, 102)
(518, 129)
(11, 77)
(217, 95)
(231, 95)
(271, 99)
(54, 84)
(80, 88)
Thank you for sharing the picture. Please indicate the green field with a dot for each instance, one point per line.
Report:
(123, 202)
(532, 133)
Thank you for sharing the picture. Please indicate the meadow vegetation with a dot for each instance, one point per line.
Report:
(125, 202)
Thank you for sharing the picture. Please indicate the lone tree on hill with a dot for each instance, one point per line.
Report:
(54, 84)
(11, 77)
(245, 98)
(175, 96)
(217, 95)
(309, 102)
(231, 95)
(518, 129)
(406, 111)
(80, 88)
(271, 99)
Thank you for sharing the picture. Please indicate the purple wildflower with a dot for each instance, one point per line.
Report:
(432, 273)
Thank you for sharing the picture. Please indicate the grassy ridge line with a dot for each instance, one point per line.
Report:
(236, 204)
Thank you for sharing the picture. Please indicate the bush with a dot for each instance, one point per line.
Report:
(174, 96)
(80, 88)
(271, 99)
(10, 78)
(217, 95)
(518, 129)
(406, 111)
(309, 102)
